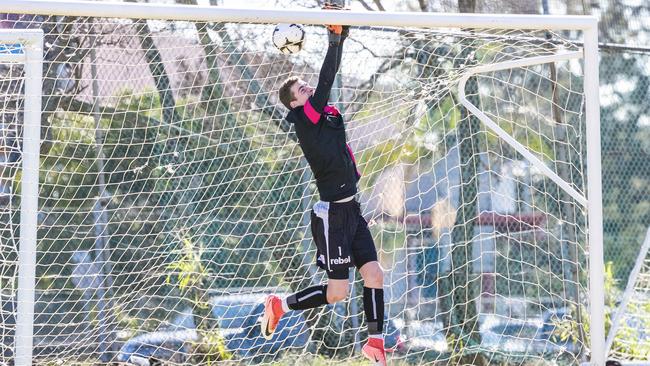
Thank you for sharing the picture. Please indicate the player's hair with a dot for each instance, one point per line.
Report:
(286, 96)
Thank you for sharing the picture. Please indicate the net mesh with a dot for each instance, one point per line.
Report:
(173, 195)
(630, 328)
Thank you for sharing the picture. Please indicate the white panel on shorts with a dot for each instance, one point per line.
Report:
(322, 209)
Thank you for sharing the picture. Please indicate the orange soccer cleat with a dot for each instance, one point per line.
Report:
(272, 314)
(374, 351)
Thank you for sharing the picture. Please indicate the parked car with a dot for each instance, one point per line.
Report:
(237, 317)
(534, 335)
(417, 336)
(393, 339)
(498, 333)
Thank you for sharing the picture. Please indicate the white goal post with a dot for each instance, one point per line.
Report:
(588, 202)
(29, 54)
(597, 309)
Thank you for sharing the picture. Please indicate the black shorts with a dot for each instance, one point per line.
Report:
(342, 238)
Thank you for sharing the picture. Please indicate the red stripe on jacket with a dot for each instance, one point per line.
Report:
(311, 113)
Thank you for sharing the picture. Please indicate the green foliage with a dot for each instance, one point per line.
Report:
(161, 179)
(189, 275)
(317, 360)
(416, 146)
(388, 236)
(188, 272)
(446, 112)
(633, 328)
(373, 160)
(68, 172)
(635, 325)
(211, 348)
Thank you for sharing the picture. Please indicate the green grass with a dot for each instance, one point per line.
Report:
(322, 361)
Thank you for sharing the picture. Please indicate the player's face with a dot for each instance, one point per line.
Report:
(301, 92)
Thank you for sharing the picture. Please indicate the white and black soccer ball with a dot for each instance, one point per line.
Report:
(289, 38)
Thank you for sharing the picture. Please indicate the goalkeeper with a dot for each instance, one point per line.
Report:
(340, 232)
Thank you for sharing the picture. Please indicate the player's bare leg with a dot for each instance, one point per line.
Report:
(275, 307)
(337, 290)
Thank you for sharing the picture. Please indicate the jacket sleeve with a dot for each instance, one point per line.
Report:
(344, 35)
(315, 104)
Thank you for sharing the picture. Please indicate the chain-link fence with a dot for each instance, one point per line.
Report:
(625, 130)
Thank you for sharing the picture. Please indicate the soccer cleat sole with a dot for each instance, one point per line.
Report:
(266, 318)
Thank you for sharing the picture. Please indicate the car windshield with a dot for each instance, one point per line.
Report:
(231, 315)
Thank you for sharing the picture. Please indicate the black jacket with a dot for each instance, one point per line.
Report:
(321, 134)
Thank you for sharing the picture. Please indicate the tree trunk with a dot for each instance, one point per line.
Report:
(157, 69)
(462, 291)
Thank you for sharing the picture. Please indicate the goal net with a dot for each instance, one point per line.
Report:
(628, 335)
(173, 196)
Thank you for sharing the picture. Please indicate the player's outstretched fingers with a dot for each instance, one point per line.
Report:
(330, 6)
(336, 29)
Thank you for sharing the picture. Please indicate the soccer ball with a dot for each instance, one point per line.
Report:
(289, 38)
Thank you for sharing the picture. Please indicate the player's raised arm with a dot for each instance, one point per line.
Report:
(327, 72)
(337, 34)
(342, 29)
(344, 34)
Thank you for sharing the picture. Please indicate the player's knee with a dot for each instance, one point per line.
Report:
(335, 295)
(373, 275)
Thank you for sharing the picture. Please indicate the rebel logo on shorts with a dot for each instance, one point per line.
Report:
(340, 260)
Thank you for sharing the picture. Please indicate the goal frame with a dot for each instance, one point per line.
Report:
(31, 56)
(586, 24)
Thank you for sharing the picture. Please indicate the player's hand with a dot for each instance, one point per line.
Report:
(341, 30)
(332, 6)
(336, 29)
